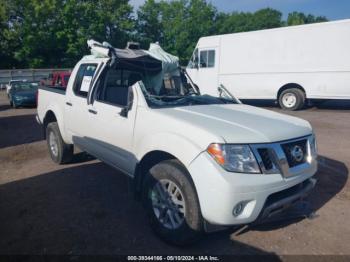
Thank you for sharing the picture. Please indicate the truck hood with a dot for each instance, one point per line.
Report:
(240, 123)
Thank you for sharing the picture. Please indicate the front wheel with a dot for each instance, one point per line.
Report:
(60, 152)
(172, 204)
(292, 99)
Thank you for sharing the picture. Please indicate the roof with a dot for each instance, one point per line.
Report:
(137, 58)
(277, 29)
(129, 58)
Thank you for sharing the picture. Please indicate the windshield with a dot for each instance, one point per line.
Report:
(25, 86)
(174, 89)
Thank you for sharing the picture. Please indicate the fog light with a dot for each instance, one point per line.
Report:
(238, 209)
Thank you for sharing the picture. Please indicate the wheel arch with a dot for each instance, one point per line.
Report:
(49, 118)
(149, 160)
(289, 86)
(53, 114)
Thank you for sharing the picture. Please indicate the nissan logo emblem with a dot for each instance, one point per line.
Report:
(297, 153)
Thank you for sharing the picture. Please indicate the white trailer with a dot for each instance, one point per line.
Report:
(289, 64)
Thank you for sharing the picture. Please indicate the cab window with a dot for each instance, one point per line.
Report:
(83, 79)
(114, 89)
(207, 59)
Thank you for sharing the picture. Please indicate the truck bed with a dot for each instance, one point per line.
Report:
(50, 98)
(55, 89)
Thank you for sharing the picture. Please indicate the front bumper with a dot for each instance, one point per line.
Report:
(219, 191)
(25, 102)
(280, 201)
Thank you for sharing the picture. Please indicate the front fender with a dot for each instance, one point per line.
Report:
(172, 143)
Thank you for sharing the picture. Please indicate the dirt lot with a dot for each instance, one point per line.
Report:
(88, 208)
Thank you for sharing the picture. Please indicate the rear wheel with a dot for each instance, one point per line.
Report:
(292, 99)
(172, 204)
(60, 152)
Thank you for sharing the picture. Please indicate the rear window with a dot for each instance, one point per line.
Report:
(83, 79)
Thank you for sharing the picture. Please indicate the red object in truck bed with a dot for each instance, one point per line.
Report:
(57, 79)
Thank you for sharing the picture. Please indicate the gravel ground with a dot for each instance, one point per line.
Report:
(88, 208)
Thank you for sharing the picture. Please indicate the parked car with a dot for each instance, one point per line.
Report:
(198, 162)
(23, 94)
(57, 79)
(10, 84)
(290, 64)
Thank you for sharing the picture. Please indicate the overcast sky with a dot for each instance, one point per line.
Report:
(332, 9)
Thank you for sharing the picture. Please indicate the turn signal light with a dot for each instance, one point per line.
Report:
(217, 153)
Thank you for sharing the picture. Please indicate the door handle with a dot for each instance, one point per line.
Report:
(92, 111)
(69, 104)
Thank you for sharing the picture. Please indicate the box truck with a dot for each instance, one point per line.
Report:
(290, 64)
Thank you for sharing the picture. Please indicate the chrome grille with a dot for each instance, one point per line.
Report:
(265, 158)
(288, 150)
(276, 158)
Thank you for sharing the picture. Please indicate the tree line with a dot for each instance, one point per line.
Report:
(53, 33)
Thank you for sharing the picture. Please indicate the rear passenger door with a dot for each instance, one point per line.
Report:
(112, 133)
(76, 107)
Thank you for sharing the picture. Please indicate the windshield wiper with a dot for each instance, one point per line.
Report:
(165, 96)
(225, 94)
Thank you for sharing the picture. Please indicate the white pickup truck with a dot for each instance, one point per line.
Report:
(197, 161)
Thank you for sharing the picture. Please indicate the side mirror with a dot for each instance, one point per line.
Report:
(125, 110)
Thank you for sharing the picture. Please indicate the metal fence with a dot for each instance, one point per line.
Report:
(28, 74)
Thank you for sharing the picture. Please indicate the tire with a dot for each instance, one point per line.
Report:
(188, 227)
(11, 104)
(60, 152)
(292, 99)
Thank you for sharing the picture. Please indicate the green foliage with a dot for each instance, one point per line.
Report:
(297, 18)
(184, 22)
(178, 24)
(243, 22)
(53, 33)
(149, 26)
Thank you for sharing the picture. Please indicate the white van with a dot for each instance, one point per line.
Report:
(289, 64)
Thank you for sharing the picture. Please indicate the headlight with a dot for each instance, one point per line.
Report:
(234, 158)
